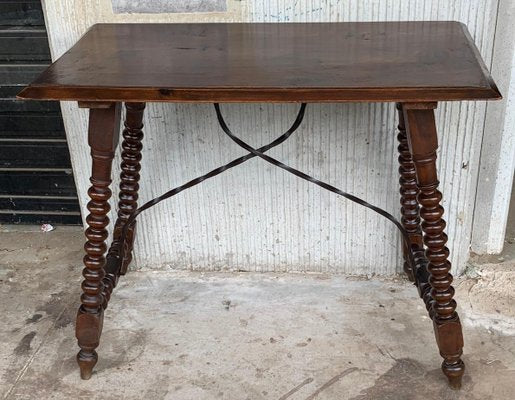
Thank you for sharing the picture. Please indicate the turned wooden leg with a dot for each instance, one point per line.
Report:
(129, 179)
(410, 218)
(104, 125)
(423, 143)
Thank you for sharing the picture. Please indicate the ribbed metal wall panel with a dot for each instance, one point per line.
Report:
(257, 217)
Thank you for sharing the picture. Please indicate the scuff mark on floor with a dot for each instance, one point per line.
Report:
(296, 388)
(24, 346)
(408, 379)
(331, 382)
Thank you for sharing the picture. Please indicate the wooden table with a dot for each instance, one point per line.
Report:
(415, 64)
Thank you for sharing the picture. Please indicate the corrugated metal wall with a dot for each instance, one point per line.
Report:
(257, 217)
(36, 181)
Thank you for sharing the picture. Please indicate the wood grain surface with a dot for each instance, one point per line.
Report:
(313, 62)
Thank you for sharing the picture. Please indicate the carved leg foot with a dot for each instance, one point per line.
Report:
(410, 218)
(449, 338)
(102, 138)
(423, 143)
(87, 361)
(89, 328)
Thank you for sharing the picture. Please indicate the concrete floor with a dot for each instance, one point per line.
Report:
(181, 335)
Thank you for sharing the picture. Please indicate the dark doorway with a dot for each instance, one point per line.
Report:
(36, 181)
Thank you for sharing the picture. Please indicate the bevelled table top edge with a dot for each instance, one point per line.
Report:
(257, 95)
(487, 90)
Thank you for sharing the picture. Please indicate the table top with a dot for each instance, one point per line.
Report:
(286, 62)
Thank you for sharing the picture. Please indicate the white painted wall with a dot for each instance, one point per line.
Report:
(257, 217)
(498, 146)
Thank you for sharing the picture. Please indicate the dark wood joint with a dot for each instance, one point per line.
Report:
(95, 104)
(91, 326)
(420, 106)
(88, 330)
(449, 337)
(104, 129)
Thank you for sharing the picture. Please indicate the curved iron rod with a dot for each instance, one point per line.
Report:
(211, 174)
(308, 178)
(260, 153)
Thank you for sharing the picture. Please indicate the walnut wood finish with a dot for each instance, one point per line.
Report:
(128, 197)
(104, 125)
(129, 179)
(413, 63)
(299, 62)
(423, 143)
(409, 191)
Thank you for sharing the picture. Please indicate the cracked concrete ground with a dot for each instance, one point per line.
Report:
(183, 335)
